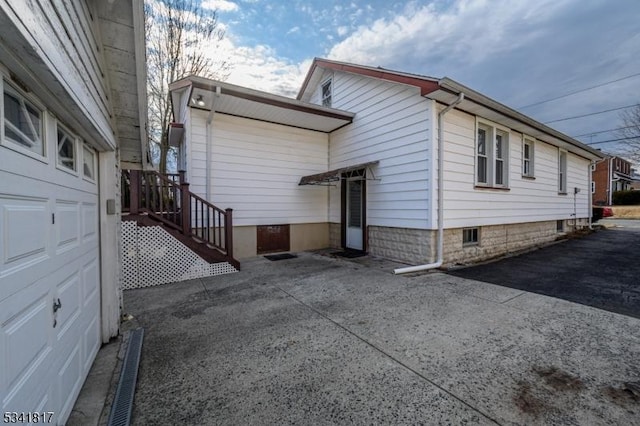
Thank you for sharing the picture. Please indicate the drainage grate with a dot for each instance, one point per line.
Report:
(123, 402)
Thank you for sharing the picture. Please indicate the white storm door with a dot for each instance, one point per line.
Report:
(355, 213)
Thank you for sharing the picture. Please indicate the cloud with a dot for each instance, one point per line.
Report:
(293, 30)
(342, 30)
(220, 5)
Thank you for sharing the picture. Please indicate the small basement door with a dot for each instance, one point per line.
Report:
(273, 238)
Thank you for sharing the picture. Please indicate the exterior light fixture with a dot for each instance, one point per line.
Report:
(199, 101)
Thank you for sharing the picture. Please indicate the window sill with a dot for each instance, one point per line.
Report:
(562, 193)
(491, 188)
(528, 177)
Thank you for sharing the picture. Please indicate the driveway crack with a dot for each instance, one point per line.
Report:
(390, 356)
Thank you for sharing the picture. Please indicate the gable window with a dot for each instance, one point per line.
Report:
(470, 237)
(22, 121)
(89, 163)
(66, 149)
(492, 156)
(562, 172)
(326, 93)
(527, 157)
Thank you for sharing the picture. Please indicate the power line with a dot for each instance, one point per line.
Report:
(603, 131)
(579, 91)
(610, 140)
(587, 115)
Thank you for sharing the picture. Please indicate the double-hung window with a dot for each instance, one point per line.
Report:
(562, 172)
(492, 156)
(528, 150)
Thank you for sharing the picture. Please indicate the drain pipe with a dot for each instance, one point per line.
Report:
(440, 242)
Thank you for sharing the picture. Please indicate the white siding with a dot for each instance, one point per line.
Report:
(527, 200)
(256, 167)
(63, 36)
(392, 125)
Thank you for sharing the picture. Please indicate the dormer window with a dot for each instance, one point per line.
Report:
(326, 93)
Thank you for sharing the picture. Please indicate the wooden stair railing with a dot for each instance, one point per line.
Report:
(169, 200)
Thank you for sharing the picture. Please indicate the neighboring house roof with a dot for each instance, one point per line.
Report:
(446, 90)
(240, 101)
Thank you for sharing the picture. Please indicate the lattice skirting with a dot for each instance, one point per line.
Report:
(151, 256)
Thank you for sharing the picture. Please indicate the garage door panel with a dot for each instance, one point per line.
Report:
(89, 222)
(91, 342)
(68, 293)
(24, 232)
(91, 281)
(67, 225)
(69, 381)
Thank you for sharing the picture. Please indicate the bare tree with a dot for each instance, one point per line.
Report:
(181, 39)
(630, 131)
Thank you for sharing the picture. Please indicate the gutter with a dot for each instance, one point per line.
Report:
(440, 242)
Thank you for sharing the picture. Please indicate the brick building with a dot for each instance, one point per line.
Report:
(610, 175)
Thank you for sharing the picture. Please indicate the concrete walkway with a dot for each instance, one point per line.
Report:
(317, 340)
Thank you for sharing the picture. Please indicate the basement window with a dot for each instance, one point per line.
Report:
(560, 226)
(470, 237)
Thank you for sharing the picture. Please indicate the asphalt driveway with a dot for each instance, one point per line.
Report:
(317, 340)
(600, 270)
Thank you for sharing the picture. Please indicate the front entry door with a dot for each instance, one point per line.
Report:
(355, 213)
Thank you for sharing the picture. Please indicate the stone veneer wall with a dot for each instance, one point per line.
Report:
(498, 240)
(417, 246)
(402, 244)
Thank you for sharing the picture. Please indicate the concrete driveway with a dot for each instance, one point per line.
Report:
(601, 270)
(317, 340)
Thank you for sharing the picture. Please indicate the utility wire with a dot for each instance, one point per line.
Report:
(579, 91)
(587, 115)
(610, 140)
(603, 131)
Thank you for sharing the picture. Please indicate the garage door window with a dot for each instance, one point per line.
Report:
(22, 121)
(89, 162)
(66, 149)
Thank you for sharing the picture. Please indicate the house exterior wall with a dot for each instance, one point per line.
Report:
(392, 125)
(527, 200)
(255, 170)
(601, 182)
(49, 29)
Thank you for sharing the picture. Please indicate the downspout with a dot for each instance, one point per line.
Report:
(440, 239)
(590, 206)
(610, 182)
(209, 146)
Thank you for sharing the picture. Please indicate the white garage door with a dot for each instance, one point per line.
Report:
(49, 266)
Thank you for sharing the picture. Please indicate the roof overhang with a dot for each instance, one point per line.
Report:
(243, 102)
(424, 83)
(326, 178)
(477, 104)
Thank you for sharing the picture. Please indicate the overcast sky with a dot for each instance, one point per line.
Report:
(518, 52)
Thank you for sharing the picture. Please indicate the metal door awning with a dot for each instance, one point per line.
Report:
(333, 175)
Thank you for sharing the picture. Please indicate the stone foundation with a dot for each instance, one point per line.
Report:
(414, 246)
(499, 240)
(418, 246)
(335, 239)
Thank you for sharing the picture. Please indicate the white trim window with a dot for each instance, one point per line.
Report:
(562, 172)
(22, 121)
(492, 156)
(326, 92)
(528, 157)
(67, 149)
(470, 237)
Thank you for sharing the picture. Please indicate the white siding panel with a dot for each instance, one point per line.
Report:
(392, 125)
(256, 167)
(527, 200)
